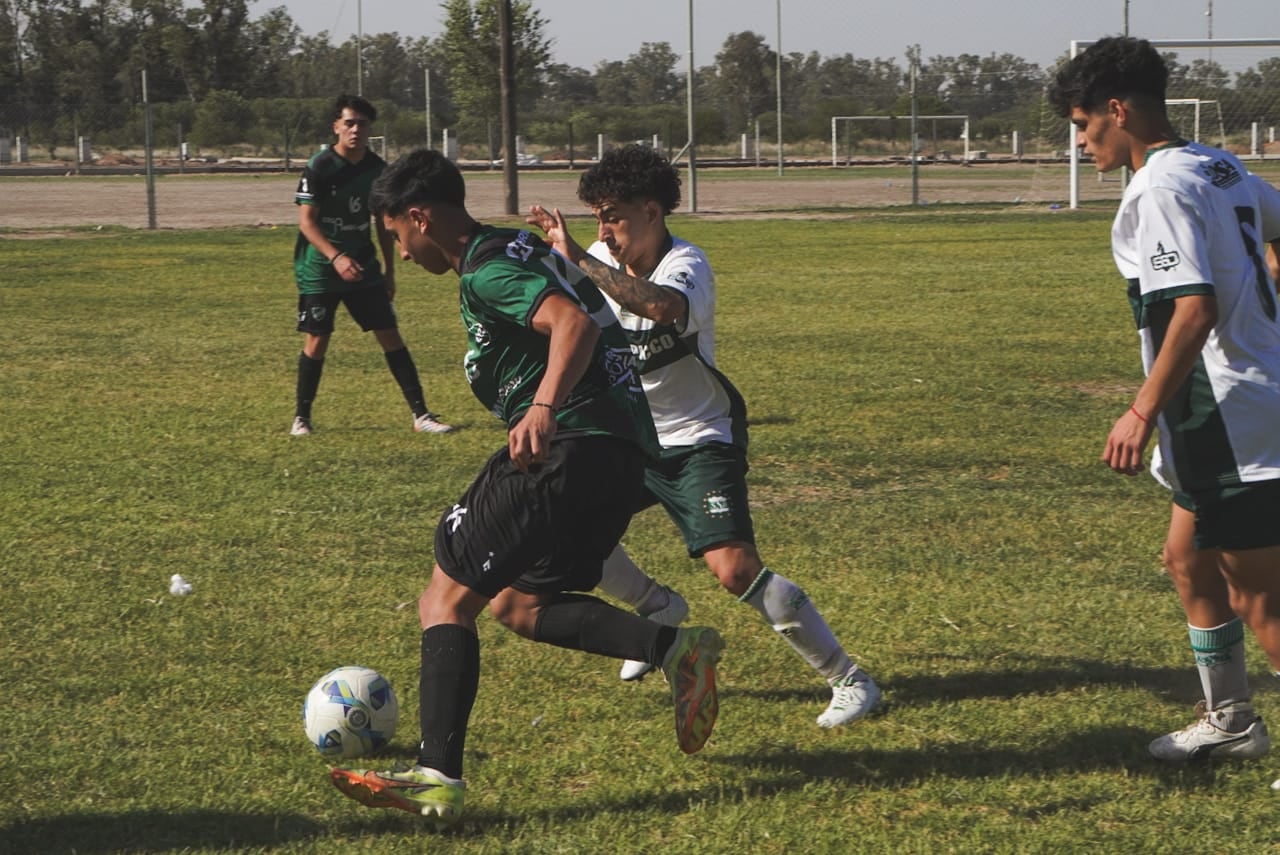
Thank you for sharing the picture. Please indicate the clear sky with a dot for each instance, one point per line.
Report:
(1039, 31)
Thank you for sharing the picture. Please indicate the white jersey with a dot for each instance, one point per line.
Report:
(1195, 221)
(690, 400)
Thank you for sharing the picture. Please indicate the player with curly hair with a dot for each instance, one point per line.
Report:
(664, 294)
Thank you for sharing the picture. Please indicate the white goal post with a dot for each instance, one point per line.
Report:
(835, 120)
(1078, 45)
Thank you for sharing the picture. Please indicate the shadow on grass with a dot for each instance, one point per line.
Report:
(1024, 675)
(774, 772)
(155, 831)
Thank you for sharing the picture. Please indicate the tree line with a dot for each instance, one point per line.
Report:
(225, 79)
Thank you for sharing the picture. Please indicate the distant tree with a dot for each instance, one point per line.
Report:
(652, 73)
(566, 87)
(220, 119)
(744, 78)
(224, 44)
(272, 42)
(471, 49)
(321, 69)
(390, 74)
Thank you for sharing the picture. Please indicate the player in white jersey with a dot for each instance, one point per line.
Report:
(664, 294)
(1191, 238)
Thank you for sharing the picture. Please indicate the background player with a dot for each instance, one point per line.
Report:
(334, 261)
(546, 509)
(663, 292)
(1190, 239)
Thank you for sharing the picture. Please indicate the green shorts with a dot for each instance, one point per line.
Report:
(704, 489)
(1246, 516)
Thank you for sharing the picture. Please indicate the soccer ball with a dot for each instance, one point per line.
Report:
(350, 712)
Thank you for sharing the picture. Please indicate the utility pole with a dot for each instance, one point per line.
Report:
(506, 60)
(693, 158)
(778, 74)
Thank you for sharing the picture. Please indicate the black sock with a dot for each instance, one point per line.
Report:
(406, 374)
(447, 686)
(309, 371)
(584, 623)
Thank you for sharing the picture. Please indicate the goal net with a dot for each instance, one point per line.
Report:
(938, 137)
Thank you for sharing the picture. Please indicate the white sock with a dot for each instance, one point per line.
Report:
(623, 580)
(1219, 653)
(788, 610)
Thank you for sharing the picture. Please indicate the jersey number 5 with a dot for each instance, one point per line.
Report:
(1249, 234)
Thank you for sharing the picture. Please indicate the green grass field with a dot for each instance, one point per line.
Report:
(929, 396)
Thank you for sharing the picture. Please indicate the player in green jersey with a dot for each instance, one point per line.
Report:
(663, 291)
(334, 261)
(1190, 239)
(546, 356)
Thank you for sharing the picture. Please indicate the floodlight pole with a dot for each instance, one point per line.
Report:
(915, 118)
(360, 47)
(779, 87)
(1124, 170)
(426, 76)
(508, 92)
(151, 177)
(693, 158)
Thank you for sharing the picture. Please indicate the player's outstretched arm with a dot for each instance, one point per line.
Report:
(638, 296)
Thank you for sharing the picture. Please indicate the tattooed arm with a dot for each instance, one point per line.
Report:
(639, 296)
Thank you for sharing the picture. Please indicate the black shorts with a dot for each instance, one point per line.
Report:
(369, 307)
(1235, 518)
(546, 530)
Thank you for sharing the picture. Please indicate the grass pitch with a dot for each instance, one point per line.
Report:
(929, 395)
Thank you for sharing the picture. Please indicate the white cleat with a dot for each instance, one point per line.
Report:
(430, 423)
(300, 427)
(672, 614)
(853, 696)
(1208, 736)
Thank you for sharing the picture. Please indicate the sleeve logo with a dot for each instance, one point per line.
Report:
(1222, 174)
(1163, 260)
(520, 248)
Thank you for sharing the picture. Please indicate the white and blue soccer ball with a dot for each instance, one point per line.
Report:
(350, 712)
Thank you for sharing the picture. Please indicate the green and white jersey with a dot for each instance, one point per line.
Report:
(690, 400)
(1194, 221)
(506, 274)
(341, 190)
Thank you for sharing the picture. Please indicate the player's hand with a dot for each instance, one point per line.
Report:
(530, 440)
(1125, 444)
(554, 227)
(390, 279)
(348, 268)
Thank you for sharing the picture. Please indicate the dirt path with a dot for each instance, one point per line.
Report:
(213, 201)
